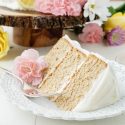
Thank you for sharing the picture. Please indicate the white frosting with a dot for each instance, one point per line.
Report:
(104, 92)
(100, 57)
(76, 45)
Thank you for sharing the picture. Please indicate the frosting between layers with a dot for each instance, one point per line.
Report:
(68, 80)
(104, 92)
(76, 45)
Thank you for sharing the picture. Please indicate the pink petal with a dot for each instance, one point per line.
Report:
(60, 7)
(43, 64)
(30, 54)
(29, 67)
(36, 81)
(92, 33)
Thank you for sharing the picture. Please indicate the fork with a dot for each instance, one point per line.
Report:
(29, 90)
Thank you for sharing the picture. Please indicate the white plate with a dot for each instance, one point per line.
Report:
(43, 107)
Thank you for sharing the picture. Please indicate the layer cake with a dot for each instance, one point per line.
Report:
(84, 80)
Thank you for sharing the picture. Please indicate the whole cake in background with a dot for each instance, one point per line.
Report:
(91, 20)
(87, 79)
(39, 23)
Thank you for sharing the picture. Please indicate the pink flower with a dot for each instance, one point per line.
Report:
(60, 7)
(92, 33)
(29, 67)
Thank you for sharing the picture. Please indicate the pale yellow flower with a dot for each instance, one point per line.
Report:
(116, 20)
(4, 43)
(27, 4)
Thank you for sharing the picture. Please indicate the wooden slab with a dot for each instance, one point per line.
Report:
(36, 20)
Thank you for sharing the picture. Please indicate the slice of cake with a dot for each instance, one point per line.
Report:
(88, 80)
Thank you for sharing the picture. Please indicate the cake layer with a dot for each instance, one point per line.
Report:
(60, 77)
(57, 54)
(80, 83)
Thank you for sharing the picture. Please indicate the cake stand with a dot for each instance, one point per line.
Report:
(36, 29)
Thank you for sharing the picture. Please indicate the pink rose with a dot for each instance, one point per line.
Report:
(91, 33)
(44, 6)
(60, 7)
(29, 67)
(73, 9)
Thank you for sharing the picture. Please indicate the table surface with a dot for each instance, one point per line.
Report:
(10, 114)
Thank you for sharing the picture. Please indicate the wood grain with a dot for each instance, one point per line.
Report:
(36, 20)
(36, 37)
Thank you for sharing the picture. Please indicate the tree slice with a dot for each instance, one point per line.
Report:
(36, 20)
(36, 37)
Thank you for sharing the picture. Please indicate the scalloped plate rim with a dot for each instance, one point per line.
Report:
(107, 112)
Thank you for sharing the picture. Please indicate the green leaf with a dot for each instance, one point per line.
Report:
(112, 10)
(121, 8)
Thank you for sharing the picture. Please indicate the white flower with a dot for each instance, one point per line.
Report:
(97, 7)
